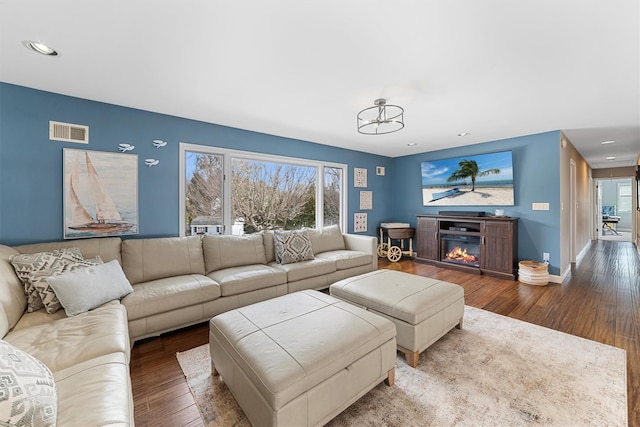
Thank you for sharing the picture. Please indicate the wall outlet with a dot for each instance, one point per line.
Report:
(545, 256)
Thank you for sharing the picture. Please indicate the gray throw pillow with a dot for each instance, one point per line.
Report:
(27, 390)
(90, 287)
(27, 264)
(292, 246)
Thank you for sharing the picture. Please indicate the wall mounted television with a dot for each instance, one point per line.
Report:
(480, 180)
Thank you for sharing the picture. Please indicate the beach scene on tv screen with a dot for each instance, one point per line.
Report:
(480, 180)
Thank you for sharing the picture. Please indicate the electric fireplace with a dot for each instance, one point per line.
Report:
(460, 249)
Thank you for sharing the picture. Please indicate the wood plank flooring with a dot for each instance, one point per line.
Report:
(600, 300)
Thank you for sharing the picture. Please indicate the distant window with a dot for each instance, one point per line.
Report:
(624, 197)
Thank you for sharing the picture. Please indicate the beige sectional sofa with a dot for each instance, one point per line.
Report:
(176, 282)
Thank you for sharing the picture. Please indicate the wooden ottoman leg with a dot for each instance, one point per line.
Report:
(410, 356)
(391, 377)
(459, 325)
(214, 371)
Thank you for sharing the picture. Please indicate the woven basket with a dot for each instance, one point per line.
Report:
(533, 273)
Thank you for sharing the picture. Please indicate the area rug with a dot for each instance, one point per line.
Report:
(496, 371)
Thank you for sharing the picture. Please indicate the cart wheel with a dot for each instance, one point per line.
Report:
(394, 254)
(382, 249)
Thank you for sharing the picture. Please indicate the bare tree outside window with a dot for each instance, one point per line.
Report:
(331, 195)
(204, 193)
(268, 195)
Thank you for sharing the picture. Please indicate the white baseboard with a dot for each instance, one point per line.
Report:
(557, 279)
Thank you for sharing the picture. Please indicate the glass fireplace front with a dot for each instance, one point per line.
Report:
(460, 249)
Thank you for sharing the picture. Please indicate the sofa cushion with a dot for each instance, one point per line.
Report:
(26, 264)
(223, 251)
(269, 245)
(67, 341)
(90, 287)
(27, 390)
(347, 259)
(163, 295)
(40, 317)
(326, 239)
(306, 269)
(107, 248)
(45, 291)
(13, 300)
(238, 280)
(292, 246)
(96, 392)
(150, 259)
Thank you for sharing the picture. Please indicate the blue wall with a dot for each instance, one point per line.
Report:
(536, 176)
(31, 183)
(31, 169)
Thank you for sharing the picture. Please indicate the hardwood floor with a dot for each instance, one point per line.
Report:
(600, 300)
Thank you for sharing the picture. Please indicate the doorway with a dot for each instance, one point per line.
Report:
(614, 209)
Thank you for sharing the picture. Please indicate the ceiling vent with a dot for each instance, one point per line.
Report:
(68, 132)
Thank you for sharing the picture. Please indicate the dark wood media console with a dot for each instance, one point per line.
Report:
(484, 245)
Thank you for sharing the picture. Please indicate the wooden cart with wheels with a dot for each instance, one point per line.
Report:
(399, 235)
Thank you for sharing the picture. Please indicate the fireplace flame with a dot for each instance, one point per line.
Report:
(461, 255)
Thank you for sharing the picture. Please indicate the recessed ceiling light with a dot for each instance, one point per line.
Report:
(611, 158)
(464, 133)
(40, 48)
(607, 142)
(411, 144)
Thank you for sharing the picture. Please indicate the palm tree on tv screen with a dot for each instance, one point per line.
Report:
(470, 169)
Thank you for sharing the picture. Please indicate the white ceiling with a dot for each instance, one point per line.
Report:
(303, 69)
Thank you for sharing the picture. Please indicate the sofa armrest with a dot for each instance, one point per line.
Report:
(367, 244)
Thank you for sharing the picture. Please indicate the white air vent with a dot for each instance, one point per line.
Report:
(68, 132)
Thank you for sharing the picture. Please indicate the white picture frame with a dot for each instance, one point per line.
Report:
(359, 222)
(359, 177)
(366, 200)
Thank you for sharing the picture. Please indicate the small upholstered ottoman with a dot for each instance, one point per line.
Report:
(422, 309)
(302, 358)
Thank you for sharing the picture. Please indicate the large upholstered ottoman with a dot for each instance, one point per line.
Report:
(302, 358)
(422, 309)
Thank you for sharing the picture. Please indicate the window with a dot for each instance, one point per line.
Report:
(202, 204)
(332, 195)
(624, 197)
(234, 192)
(268, 195)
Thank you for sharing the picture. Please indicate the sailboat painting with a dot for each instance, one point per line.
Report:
(100, 194)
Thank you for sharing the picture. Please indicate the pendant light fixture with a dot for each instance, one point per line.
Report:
(381, 118)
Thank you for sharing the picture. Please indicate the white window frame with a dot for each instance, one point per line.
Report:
(228, 155)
